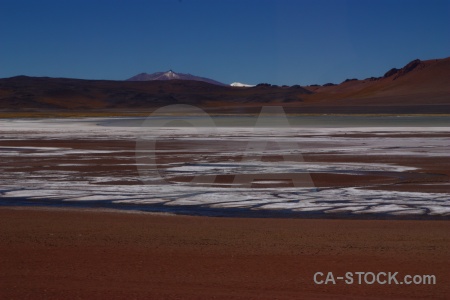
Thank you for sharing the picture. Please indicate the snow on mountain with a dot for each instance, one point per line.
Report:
(170, 75)
(238, 84)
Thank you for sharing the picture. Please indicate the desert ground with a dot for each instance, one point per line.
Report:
(84, 215)
(55, 253)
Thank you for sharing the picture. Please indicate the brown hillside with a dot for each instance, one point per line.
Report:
(427, 83)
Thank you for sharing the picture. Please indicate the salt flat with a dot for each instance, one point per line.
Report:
(362, 170)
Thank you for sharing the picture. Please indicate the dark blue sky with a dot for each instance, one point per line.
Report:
(279, 42)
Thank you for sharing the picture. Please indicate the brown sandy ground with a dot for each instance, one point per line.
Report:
(75, 254)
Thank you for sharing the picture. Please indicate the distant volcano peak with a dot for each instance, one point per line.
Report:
(170, 75)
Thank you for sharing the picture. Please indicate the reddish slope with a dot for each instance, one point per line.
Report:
(418, 83)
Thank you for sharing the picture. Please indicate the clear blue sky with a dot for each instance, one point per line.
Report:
(279, 42)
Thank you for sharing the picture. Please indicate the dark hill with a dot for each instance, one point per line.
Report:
(41, 93)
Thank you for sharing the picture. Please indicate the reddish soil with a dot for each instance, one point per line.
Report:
(54, 254)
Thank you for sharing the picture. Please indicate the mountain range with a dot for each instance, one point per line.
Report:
(420, 87)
